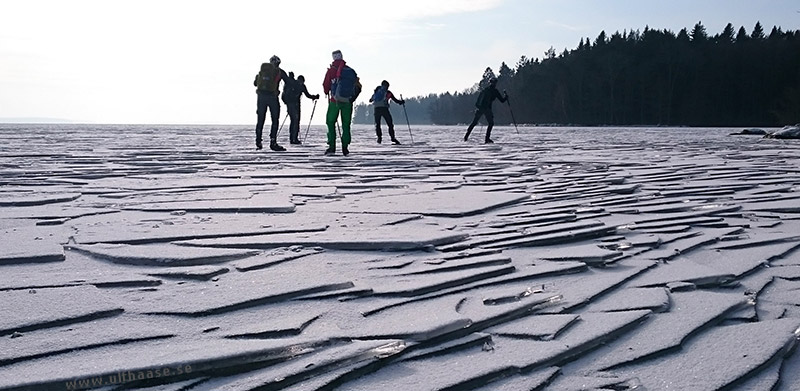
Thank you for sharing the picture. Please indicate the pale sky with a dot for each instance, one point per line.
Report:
(193, 62)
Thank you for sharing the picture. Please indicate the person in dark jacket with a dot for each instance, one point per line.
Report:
(380, 104)
(267, 88)
(484, 108)
(292, 92)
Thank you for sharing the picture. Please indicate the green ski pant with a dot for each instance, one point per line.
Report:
(334, 108)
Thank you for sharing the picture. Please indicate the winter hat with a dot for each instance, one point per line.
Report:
(385, 83)
(301, 79)
(275, 60)
(337, 55)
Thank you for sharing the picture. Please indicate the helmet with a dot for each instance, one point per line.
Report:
(275, 60)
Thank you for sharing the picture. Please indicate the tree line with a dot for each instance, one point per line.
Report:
(650, 77)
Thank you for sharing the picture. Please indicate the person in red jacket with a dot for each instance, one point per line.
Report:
(340, 100)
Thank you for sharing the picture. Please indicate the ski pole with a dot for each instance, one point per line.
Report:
(407, 123)
(282, 123)
(512, 111)
(309, 120)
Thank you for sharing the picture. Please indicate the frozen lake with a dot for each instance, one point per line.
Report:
(180, 258)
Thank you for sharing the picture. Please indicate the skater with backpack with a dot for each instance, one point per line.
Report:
(380, 103)
(484, 108)
(292, 92)
(267, 82)
(342, 87)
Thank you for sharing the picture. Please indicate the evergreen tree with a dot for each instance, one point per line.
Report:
(758, 32)
(741, 36)
(727, 35)
(699, 34)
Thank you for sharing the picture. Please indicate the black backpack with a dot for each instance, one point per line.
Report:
(291, 91)
(484, 98)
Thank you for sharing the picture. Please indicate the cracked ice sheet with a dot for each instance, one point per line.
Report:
(52, 212)
(77, 269)
(300, 369)
(583, 288)
(654, 299)
(143, 227)
(538, 327)
(416, 285)
(512, 285)
(51, 307)
(23, 245)
(131, 198)
(200, 354)
(449, 203)
(384, 238)
(85, 335)
(272, 321)
(528, 381)
(258, 203)
(670, 250)
(474, 367)
(236, 291)
(744, 260)
(690, 313)
(162, 254)
(718, 357)
(150, 183)
(682, 270)
(34, 199)
(593, 383)
(586, 253)
(781, 291)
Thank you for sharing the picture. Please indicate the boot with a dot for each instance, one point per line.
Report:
(273, 145)
(330, 151)
(345, 151)
(258, 145)
(380, 138)
(395, 142)
(488, 141)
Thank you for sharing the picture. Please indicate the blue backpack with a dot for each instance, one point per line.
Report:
(344, 88)
(379, 97)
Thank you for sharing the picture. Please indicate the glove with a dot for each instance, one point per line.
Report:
(402, 102)
(316, 97)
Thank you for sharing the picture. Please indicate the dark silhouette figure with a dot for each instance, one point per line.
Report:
(292, 92)
(380, 103)
(267, 82)
(484, 108)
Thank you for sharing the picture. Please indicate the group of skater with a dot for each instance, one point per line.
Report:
(342, 87)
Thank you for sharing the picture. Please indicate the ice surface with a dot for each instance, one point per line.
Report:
(559, 259)
(21, 245)
(34, 309)
(721, 357)
(161, 254)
